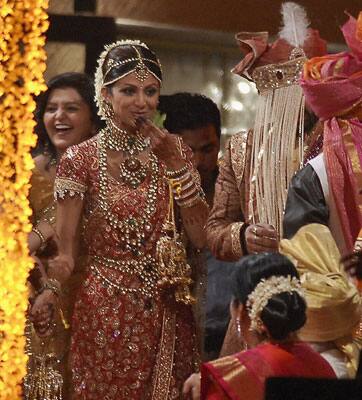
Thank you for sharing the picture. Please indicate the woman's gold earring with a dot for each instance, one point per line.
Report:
(108, 111)
(240, 334)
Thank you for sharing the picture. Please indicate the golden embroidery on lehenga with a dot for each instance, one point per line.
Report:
(164, 361)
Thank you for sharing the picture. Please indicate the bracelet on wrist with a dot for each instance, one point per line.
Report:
(179, 184)
(180, 190)
(190, 202)
(40, 235)
(187, 194)
(176, 173)
(52, 285)
(184, 188)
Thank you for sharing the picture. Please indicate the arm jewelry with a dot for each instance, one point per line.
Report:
(178, 173)
(52, 285)
(185, 190)
(40, 236)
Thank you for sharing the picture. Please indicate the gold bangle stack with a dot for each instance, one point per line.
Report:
(185, 190)
(183, 186)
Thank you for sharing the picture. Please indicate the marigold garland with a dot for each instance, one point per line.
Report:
(22, 64)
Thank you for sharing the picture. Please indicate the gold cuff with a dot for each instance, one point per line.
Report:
(235, 239)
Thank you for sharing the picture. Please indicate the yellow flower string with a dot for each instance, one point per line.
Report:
(22, 64)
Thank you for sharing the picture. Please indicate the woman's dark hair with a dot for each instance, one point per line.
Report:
(284, 312)
(125, 52)
(76, 80)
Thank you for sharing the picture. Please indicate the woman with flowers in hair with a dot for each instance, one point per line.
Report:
(268, 310)
(133, 335)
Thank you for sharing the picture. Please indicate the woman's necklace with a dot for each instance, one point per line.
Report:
(120, 140)
(132, 230)
(132, 171)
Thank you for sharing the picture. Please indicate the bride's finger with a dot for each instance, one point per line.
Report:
(149, 129)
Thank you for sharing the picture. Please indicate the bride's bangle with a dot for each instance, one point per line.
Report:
(171, 174)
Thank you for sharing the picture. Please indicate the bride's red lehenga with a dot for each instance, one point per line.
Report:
(130, 340)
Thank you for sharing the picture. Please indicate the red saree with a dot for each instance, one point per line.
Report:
(243, 375)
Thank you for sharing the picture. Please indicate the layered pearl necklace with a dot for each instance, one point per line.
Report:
(132, 171)
(132, 230)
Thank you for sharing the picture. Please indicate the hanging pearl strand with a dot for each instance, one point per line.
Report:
(132, 230)
(132, 171)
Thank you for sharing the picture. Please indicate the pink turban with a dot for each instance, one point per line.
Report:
(333, 84)
(333, 89)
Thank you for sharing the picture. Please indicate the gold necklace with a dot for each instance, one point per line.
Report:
(132, 230)
(120, 140)
(132, 171)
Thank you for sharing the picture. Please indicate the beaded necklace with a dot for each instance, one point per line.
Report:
(119, 140)
(132, 230)
(132, 171)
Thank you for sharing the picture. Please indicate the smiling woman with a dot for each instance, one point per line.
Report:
(67, 119)
(66, 115)
(141, 200)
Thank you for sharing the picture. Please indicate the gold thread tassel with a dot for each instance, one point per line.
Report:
(45, 382)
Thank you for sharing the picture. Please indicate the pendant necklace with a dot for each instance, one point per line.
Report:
(132, 171)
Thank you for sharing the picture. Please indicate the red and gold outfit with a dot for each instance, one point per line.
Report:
(243, 375)
(48, 357)
(130, 339)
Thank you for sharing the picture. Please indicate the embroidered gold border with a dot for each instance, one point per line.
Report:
(235, 238)
(63, 186)
(164, 361)
(353, 155)
(238, 154)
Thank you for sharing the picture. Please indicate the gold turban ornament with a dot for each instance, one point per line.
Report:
(334, 303)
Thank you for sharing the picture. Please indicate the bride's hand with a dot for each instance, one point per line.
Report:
(165, 145)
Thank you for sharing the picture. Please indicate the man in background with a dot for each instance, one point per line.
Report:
(196, 119)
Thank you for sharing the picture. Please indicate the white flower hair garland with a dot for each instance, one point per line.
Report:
(264, 291)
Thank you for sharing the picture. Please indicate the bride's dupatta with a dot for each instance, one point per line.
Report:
(243, 375)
